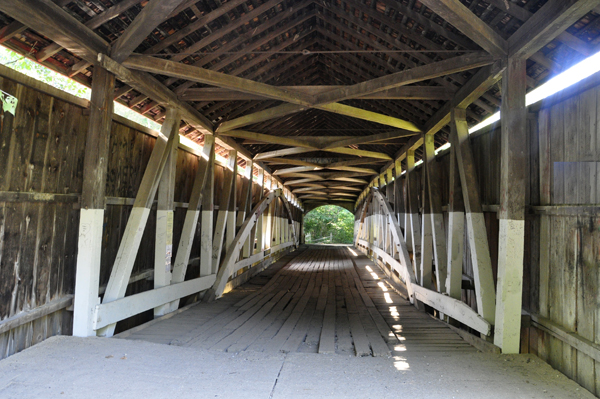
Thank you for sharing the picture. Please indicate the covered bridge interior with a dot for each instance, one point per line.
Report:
(472, 230)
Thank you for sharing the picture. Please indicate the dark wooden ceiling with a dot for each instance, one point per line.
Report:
(308, 43)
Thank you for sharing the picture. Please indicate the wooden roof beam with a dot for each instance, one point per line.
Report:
(418, 74)
(50, 20)
(297, 141)
(155, 12)
(470, 24)
(201, 75)
(398, 93)
(325, 100)
(546, 24)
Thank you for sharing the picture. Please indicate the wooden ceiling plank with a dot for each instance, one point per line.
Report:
(198, 24)
(11, 30)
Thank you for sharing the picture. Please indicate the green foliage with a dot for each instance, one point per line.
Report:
(330, 219)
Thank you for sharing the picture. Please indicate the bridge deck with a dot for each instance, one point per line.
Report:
(325, 300)
(262, 341)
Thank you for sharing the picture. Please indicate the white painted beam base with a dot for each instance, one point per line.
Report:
(87, 282)
(163, 251)
(507, 333)
(109, 313)
(456, 234)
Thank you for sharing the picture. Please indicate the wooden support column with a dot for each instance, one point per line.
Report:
(485, 291)
(414, 221)
(398, 197)
(247, 204)
(192, 215)
(259, 227)
(130, 243)
(268, 228)
(206, 224)
(513, 181)
(229, 175)
(545, 199)
(456, 229)
(437, 218)
(91, 219)
(426, 233)
(232, 211)
(163, 248)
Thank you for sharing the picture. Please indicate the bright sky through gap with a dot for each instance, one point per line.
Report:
(576, 73)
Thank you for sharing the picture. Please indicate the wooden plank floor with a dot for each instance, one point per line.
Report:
(321, 299)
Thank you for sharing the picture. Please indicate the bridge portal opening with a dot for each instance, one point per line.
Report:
(329, 224)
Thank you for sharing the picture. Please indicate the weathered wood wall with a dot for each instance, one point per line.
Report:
(41, 162)
(564, 295)
(561, 280)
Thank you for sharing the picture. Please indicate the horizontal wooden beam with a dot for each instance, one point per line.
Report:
(328, 100)
(359, 153)
(372, 138)
(398, 93)
(297, 169)
(36, 313)
(266, 138)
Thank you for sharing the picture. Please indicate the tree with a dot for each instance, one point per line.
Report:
(330, 219)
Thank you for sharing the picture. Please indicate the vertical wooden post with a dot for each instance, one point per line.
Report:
(229, 175)
(259, 229)
(545, 199)
(163, 248)
(456, 229)
(208, 214)
(414, 222)
(130, 243)
(91, 219)
(243, 214)
(426, 231)
(231, 223)
(399, 205)
(406, 222)
(513, 181)
(268, 228)
(485, 291)
(437, 218)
